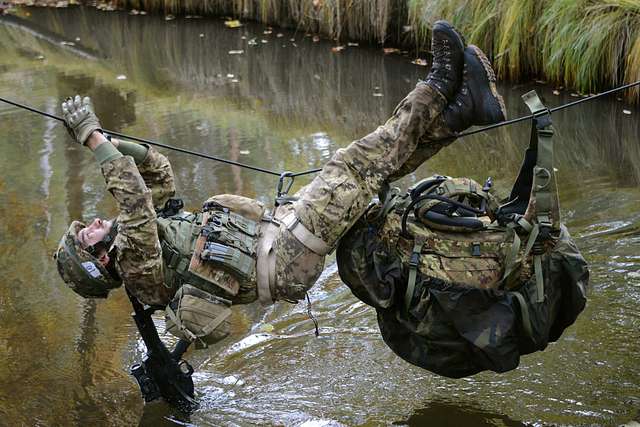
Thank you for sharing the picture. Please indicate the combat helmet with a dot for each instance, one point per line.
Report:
(80, 269)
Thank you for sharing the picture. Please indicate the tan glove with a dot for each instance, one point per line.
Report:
(79, 118)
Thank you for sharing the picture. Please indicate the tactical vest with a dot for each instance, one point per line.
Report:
(213, 250)
(459, 284)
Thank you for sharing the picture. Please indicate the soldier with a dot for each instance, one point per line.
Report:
(235, 251)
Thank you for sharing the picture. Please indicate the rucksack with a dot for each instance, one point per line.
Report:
(460, 284)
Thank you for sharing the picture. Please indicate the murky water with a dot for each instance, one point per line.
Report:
(283, 103)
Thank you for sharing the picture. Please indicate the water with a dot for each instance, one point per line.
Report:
(280, 105)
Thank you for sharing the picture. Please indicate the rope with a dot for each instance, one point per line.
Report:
(315, 170)
(150, 142)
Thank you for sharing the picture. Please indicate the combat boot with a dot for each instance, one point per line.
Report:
(447, 47)
(477, 102)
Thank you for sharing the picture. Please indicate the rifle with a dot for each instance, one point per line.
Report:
(162, 373)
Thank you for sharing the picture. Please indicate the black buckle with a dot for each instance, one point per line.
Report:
(542, 119)
(414, 261)
(475, 249)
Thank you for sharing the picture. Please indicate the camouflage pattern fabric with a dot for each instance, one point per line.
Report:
(339, 194)
(336, 198)
(460, 320)
(138, 253)
(328, 206)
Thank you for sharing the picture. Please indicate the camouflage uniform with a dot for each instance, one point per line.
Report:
(338, 196)
(327, 207)
(138, 190)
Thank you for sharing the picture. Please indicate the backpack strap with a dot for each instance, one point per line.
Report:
(544, 178)
(544, 188)
(414, 262)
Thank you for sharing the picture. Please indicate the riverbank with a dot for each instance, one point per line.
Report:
(583, 45)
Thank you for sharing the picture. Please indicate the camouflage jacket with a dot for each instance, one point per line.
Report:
(138, 191)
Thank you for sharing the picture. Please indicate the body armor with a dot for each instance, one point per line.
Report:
(210, 257)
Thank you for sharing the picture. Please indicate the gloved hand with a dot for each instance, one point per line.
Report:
(79, 118)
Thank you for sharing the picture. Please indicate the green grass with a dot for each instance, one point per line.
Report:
(587, 45)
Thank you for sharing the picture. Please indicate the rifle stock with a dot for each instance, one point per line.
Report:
(162, 374)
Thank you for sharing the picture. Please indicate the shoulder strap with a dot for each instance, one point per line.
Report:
(414, 263)
(544, 177)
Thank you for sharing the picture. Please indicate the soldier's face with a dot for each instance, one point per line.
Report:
(94, 232)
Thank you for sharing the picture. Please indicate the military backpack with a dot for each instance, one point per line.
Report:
(461, 284)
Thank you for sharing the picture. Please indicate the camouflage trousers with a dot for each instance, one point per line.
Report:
(331, 204)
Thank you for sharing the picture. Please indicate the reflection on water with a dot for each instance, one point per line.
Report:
(447, 414)
(286, 103)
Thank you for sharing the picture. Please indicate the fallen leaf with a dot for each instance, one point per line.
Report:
(556, 92)
(626, 111)
(236, 52)
(243, 37)
(279, 35)
(420, 61)
(264, 41)
(143, 12)
(233, 23)
(316, 39)
(134, 12)
(169, 18)
(252, 42)
(292, 39)
(230, 76)
(337, 48)
(266, 327)
(267, 32)
(201, 34)
(388, 50)
(316, 76)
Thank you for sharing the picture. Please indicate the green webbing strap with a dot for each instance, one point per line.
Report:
(544, 188)
(537, 266)
(533, 235)
(414, 262)
(544, 184)
(511, 263)
(524, 313)
(537, 262)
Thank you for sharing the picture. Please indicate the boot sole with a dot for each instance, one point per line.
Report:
(491, 76)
